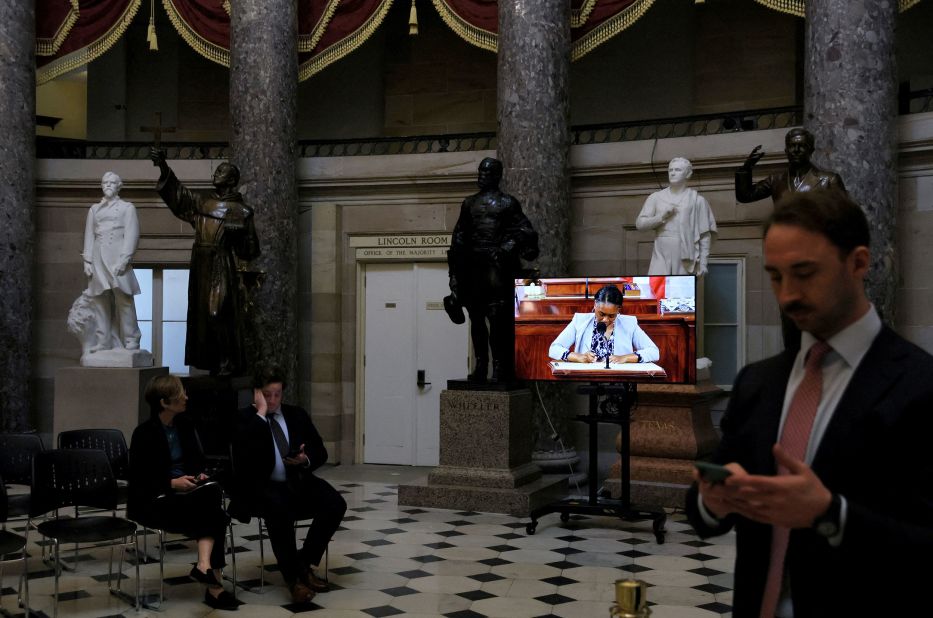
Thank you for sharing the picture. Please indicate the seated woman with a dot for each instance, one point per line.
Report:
(624, 341)
(166, 485)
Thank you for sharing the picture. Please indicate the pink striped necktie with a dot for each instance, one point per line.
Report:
(794, 439)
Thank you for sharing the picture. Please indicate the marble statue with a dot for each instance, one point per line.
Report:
(801, 174)
(104, 316)
(224, 234)
(683, 224)
(491, 237)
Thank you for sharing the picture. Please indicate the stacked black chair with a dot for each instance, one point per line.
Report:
(16, 452)
(80, 478)
(110, 441)
(11, 543)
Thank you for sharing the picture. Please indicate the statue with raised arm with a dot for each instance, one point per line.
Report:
(491, 237)
(224, 234)
(683, 224)
(801, 174)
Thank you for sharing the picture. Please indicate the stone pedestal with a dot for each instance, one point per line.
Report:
(101, 398)
(485, 457)
(671, 428)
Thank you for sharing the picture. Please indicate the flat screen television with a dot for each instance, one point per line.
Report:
(545, 324)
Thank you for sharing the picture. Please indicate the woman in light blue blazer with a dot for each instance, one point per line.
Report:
(624, 341)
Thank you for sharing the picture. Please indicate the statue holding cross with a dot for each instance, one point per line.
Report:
(224, 236)
(157, 130)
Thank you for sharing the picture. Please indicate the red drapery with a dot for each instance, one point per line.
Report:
(90, 28)
(71, 33)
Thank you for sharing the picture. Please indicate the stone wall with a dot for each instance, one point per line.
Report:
(340, 197)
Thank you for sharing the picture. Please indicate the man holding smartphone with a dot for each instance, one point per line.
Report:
(275, 452)
(828, 479)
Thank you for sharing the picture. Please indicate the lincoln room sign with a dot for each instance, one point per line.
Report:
(377, 247)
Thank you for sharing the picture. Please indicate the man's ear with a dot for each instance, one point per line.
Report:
(861, 260)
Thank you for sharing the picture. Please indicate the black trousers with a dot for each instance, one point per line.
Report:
(197, 514)
(285, 503)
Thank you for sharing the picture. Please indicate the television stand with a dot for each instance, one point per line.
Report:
(623, 394)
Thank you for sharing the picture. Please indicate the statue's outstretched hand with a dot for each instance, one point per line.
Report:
(87, 269)
(753, 157)
(157, 155)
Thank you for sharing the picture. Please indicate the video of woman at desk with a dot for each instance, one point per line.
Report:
(604, 332)
(644, 326)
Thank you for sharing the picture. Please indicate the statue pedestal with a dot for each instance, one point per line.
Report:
(485, 457)
(213, 402)
(671, 428)
(101, 398)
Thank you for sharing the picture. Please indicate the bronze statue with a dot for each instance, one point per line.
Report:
(490, 238)
(223, 233)
(801, 174)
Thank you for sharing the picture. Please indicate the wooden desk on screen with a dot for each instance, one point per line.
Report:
(539, 322)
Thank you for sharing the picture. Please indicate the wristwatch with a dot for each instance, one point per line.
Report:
(637, 355)
(827, 525)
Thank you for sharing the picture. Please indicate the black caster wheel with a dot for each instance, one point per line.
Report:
(658, 529)
(565, 517)
(530, 528)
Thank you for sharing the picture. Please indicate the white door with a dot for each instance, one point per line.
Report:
(407, 331)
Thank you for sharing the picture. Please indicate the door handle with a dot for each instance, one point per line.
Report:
(421, 382)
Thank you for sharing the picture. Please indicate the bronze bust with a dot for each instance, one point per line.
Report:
(801, 174)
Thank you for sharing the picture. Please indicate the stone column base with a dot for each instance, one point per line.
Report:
(101, 398)
(485, 457)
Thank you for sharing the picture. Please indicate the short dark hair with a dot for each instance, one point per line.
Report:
(829, 212)
(811, 141)
(161, 387)
(270, 374)
(609, 294)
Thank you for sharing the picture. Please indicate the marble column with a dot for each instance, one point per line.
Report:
(17, 219)
(534, 120)
(263, 87)
(850, 106)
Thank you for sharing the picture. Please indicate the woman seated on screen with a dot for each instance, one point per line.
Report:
(623, 341)
(168, 489)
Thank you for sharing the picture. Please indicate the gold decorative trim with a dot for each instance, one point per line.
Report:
(483, 39)
(226, 5)
(201, 45)
(307, 42)
(346, 45)
(609, 28)
(579, 16)
(796, 7)
(49, 47)
(86, 54)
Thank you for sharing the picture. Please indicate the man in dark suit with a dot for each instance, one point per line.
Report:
(276, 450)
(830, 492)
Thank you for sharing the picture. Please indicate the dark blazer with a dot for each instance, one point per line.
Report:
(151, 462)
(776, 185)
(875, 454)
(254, 455)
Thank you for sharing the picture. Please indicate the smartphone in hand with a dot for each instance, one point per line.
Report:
(712, 473)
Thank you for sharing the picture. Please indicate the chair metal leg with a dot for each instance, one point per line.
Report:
(58, 572)
(161, 567)
(232, 557)
(138, 583)
(262, 558)
(24, 585)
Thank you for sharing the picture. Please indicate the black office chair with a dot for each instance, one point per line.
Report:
(16, 452)
(11, 543)
(79, 478)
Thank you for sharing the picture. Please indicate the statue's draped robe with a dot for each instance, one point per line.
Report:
(683, 241)
(223, 231)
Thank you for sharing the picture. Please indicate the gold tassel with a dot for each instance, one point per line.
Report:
(151, 32)
(413, 20)
(700, 2)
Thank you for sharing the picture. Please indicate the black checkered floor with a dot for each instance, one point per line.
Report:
(388, 560)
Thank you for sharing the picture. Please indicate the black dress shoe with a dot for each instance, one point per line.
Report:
(205, 578)
(224, 600)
